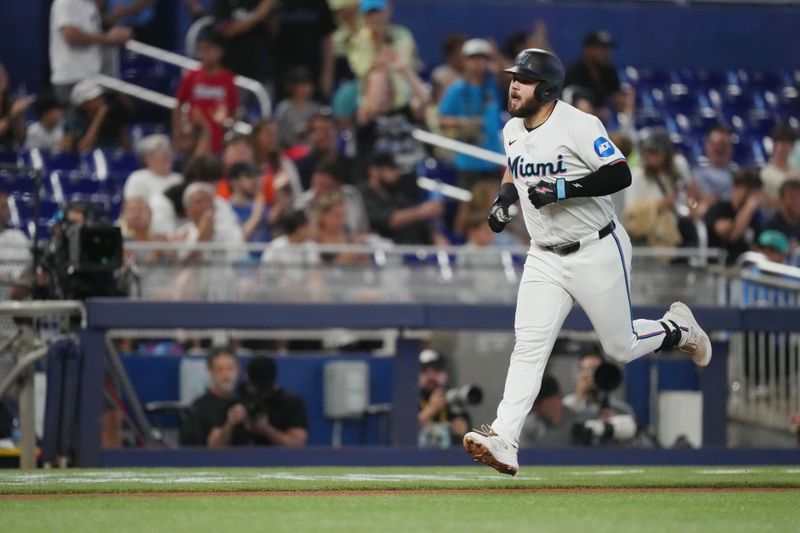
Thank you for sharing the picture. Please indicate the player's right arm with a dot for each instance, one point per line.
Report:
(499, 215)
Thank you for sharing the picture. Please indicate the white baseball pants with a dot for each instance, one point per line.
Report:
(597, 277)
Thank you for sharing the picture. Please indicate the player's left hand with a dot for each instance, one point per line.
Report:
(545, 193)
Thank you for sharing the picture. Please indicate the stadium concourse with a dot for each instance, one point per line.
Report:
(253, 233)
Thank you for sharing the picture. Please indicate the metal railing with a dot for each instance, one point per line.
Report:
(764, 367)
(187, 63)
(390, 273)
(154, 97)
(27, 342)
(384, 272)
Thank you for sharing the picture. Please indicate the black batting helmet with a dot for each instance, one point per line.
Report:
(542, 66)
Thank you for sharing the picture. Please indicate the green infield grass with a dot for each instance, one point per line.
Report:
(566, 499)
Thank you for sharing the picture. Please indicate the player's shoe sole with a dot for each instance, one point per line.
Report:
(698, 345)
(482, 454)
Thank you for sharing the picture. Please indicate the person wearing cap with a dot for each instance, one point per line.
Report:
(774, 245)
(391, 213)
(440, 424)
(95, 119)
(470, 112)
(652, 200)
(76, 39)
(733, 224)
(293, 113)
(384, 46)
(787, 219)
(595, 72)
(207, 98)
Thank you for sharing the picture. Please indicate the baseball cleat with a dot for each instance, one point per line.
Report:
(487, 447)
(694, 340)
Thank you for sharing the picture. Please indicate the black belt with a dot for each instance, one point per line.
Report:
(572, 247)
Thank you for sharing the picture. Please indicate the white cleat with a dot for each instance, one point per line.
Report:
(694, 340)
(487, 447)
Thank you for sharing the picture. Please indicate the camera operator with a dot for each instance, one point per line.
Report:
(550, 423)
(442, 423)
(257, 412)
(586, 398)
(607, 420)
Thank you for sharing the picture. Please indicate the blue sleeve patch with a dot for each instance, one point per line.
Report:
(603, 147)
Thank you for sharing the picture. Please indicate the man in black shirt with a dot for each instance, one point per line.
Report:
(595, 72)
(323, 136)
(391, 213)
(734, 224)
(243, 25)
(258, 412)
(304, 38)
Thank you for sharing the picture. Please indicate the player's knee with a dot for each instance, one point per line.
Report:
(617, 350)
(528, 345)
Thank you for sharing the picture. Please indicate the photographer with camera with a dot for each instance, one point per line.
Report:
(442, 419)
(256, 412)
(607, 420)
(550, 423)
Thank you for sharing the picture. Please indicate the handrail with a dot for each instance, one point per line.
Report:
(154, 97)
(410, 249)
(190, 43)
(37, 308)
(445, 189)
(142, 93)
(458, 146)
(187, 63)
(766, 266)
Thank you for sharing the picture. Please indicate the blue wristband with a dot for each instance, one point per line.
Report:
(561, 188)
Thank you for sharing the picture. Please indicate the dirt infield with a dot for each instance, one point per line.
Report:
(387, 492)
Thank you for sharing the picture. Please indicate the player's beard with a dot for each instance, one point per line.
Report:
(526, 108)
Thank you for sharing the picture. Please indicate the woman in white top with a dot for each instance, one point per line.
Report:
(155, 153)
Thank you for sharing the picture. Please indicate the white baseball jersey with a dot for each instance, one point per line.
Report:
(570, 144)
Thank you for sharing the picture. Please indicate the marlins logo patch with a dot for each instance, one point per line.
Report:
(603, 147)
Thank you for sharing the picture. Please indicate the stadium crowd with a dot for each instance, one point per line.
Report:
(336, 162)
(350, 88)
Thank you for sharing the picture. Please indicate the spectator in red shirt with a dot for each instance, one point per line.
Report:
(207, 95)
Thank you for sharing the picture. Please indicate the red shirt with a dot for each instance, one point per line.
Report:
(215, 95)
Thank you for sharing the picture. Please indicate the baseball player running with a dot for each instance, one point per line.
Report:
(563, 166)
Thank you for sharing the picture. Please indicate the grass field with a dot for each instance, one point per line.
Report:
(383, 500)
